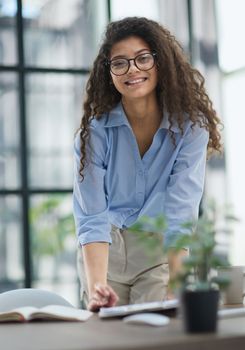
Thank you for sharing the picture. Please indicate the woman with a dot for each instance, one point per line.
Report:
(141, 150)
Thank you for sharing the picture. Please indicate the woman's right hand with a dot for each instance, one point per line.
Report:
(102, 296)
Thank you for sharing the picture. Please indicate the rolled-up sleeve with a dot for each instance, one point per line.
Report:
(90, 206)
(186, 183)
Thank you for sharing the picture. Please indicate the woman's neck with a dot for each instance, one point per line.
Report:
(142, 111)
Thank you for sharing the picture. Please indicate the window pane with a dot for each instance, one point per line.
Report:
(231, 28)
(54, 244)
(11, 250)
(233, 104)
(9, 132)
(145, 8)
(163, 11)
(62, 33)
(8, 46)
(53, 112)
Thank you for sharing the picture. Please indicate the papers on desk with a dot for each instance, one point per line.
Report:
(50, 312)
(229, 313)
(158, 306)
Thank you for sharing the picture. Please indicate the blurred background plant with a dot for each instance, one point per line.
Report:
(199, 267)
(52, 230)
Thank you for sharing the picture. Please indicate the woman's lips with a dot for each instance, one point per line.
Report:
(135, 81)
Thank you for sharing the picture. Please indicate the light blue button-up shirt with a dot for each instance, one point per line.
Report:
(119, 186)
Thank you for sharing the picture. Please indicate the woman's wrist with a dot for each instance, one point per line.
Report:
(93, 287)
(175, 260)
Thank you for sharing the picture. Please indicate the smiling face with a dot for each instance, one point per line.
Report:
(135, 83)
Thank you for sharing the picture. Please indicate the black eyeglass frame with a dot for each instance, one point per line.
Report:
(153, 54)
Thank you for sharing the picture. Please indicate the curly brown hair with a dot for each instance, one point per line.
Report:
(180, 89)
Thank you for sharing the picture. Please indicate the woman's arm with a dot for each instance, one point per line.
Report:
(95, 257)
(175, 265)
(175, 261)
(186, 183)
(90, 209)
(184, 192)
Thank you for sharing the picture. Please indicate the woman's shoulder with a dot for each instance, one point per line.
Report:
(97, 130)
(98, 133)
(98, 138)
(99, 122)
(189, 130)
(174, 125)
(96, 125)
(193, 127)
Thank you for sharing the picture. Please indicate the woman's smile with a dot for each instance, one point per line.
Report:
(135, 81)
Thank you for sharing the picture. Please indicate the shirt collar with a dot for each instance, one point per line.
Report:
(165, 124)
(117, 117)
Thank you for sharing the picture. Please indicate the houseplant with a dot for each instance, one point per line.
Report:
(197, 284)
(52, 235)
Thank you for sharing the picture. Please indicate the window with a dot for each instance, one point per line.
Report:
(46, 50)
(231, 27)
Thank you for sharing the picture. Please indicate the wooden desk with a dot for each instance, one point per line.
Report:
(98, 334)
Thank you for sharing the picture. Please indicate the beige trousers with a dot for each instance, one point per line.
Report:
(137, 270)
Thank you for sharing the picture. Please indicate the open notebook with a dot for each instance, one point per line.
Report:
(158, 306)
(50, 312)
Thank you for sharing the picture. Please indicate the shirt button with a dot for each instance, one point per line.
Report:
(140, 172)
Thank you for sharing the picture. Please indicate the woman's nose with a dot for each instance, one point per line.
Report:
(132, 66)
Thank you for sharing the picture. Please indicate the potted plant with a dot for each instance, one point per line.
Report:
(197, 284)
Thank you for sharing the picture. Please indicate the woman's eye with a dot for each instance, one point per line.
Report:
(118, 64)
(143, 59)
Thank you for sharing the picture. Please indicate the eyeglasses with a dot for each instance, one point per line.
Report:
(120, 66)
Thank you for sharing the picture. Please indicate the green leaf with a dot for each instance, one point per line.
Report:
(222, 282)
